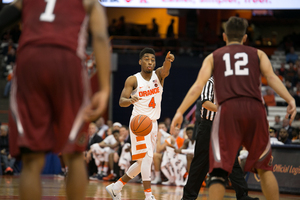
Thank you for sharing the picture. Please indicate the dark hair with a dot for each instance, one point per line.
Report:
(146, 50)
(115, 131)
(235, 28)
(126, 127)
(189, 128)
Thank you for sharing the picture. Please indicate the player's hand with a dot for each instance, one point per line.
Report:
(97, 106)
(176, 122)
(291, 111)
(170, 57)
(177, 151)
(134, 99)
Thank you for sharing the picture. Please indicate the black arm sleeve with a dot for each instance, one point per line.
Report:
(8, 16)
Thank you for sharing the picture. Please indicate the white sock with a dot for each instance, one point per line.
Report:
(112, 171)
(118, 185)
(157, 175)
(100, 169)
(105, 169)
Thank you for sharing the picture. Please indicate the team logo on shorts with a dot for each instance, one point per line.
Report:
(271, 161)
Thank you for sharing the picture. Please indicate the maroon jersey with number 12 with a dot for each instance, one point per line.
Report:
(237, 73)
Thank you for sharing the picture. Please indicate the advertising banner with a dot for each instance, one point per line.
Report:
(205, 4)
(286, 168)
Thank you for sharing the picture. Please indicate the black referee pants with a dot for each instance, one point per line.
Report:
(200, 165)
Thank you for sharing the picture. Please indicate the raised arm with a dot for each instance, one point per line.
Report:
(194, 92)
(126, 99)
(164, 71)
(101, 46)
(276, 84)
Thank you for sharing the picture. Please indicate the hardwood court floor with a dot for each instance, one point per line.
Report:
(53, 189)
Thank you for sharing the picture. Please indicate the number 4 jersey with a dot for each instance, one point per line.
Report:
(150, 93)
(239, 67)
(55, 23)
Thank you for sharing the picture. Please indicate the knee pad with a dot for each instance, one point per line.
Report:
(134, 169)
(218, 176)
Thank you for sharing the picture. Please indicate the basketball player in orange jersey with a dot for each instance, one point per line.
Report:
(241, 116)
(136, 91)
(49, 99)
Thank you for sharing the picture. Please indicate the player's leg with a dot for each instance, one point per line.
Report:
(200, 163)
(77, 176)
(146, 175)
(157, 159)
(268, 184)
(114, 189)
(217, 184)
(30, 179)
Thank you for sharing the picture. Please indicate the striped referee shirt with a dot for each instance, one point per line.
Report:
(207, 94)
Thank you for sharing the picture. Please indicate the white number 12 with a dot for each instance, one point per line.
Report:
(48, 15)
(237, 64)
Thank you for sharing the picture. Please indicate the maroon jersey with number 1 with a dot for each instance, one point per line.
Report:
(50, 86)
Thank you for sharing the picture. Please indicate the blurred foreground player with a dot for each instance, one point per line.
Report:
(241, 116)
(50, 97)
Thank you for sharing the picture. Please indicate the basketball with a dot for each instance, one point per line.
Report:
(141, 125)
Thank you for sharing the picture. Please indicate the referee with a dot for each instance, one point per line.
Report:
(200, 164)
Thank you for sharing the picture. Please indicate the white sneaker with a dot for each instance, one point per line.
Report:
(116, 195)
(150, 198)
(168, 183)
(156, 181)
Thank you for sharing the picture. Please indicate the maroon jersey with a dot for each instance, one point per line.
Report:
(54, 22)
(237, 66)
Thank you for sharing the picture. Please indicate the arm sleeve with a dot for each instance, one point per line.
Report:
(187, 151)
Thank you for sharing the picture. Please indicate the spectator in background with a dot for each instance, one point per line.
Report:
(284, 136)
(282, 69)
(288, 85)
(278, 123)
(93, 138)
(121, 26)
(290, 73)
(273, 138)
(170, 30)
(291, 56)
(296, 78)
(154, 31)
(167, 122)
(269, 97)
(101, 126)
(277, 72)
(10, 45)
(112, 28)
(162, 135)
(287, 127)
(8, 84)
(6, 159)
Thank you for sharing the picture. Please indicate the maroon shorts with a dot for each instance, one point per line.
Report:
(240, 121)
(50, 88)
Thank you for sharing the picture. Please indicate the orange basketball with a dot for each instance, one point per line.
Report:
(141, 125)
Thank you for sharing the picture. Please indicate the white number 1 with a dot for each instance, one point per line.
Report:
(48, 15)
(237, 64)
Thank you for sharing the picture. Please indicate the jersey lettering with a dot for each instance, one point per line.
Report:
(237, 65)
(149, 92)
(152, 103)
(48, 15)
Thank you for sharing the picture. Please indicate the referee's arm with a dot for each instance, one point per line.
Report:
(207, 97)
(210, 106)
